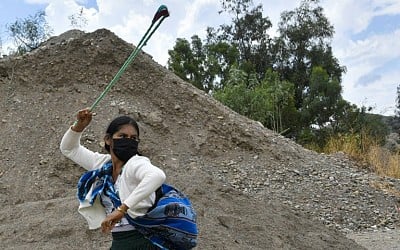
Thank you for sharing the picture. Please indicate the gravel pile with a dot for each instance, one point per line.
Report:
(330, 188)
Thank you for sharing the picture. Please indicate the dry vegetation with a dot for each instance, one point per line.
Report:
(367, 152)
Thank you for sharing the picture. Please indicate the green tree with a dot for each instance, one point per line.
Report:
(270, 102)
(205, 66)
(323, 98)
(180, 57)
(236, 94)
(303, 56)
(187, 60)
(275, 104)
(30, 32)
(221, 56)
(245, 43)
(248, 33)
(304, 43)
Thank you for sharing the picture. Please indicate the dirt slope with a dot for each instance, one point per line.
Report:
(223, 161)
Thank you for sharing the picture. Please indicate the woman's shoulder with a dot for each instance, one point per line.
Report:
(139, 165)
(101, 159)
(139, 158)
(139, 161)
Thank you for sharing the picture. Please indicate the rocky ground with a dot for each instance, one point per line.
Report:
(252, 188)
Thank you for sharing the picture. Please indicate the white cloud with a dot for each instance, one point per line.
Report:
(274, 8)
(60, 22)
(389, 7)
(128, 23)
(350, 16)
(381, 95)
(192, 18)
(377, 48)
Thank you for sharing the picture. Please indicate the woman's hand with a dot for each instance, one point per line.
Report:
(110, 221)
(84, 117)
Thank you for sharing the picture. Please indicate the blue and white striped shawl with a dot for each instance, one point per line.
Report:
(102, 180)
(169, 224)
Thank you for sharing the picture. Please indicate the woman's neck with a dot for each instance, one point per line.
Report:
(117, 167)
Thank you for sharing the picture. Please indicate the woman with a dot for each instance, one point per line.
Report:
(121, 182)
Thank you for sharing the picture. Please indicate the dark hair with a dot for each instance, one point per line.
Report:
(116, 125)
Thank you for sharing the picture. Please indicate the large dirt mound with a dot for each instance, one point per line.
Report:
(252, 188)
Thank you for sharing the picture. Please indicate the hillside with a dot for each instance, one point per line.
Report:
(251, 188)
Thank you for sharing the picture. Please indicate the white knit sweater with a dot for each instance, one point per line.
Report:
(138, 180)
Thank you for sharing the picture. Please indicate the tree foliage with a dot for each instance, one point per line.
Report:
(244, 43)
(322, 99)
(278, 113)
(28, 33)
(304, 43)
(270, 101)
(248, 33)
(237, 94)
(182, 62)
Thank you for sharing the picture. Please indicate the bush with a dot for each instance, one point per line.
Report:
(30, 32)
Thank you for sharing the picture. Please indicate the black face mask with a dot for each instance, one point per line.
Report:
(125, 148)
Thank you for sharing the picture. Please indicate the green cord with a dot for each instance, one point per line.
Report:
(132, 56)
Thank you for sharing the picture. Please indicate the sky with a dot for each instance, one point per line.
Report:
(366, 39)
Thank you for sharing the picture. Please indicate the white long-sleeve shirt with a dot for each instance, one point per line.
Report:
(137, 182)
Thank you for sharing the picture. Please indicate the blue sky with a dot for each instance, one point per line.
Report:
(366, 41)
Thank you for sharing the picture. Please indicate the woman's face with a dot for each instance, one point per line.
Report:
(123, 143)
(126, 131)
